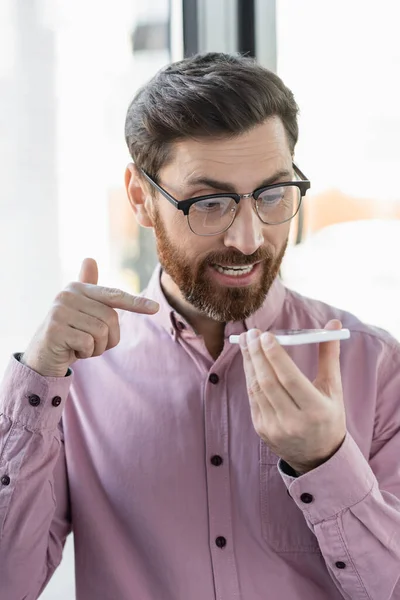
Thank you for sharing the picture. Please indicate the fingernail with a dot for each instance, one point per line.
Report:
(267, 340)
(253, 334)
(151, 305)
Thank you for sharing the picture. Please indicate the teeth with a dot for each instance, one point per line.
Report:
(235, 271)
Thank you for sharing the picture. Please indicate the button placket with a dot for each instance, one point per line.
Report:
(216, 460)
(218, 484)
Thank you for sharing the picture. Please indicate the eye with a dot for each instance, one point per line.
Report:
(208, 205)
(272, 197)
(213, 205)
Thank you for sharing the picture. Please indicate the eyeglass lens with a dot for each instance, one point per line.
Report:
(215, 215)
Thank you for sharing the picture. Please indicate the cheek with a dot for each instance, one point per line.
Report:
(194, 248)
(173, 221)
(276, 235)
(178, 231)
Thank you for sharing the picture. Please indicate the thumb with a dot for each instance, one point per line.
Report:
(89, 272)
(328, 379)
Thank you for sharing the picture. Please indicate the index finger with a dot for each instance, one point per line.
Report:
(288, 373)
(116, 298)
(253, 387)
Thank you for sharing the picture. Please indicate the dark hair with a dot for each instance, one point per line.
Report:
(206, 95)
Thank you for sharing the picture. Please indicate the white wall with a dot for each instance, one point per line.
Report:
(67, 74)
(29, 249)
(342, 61)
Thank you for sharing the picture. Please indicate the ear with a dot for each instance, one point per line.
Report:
(139, 196)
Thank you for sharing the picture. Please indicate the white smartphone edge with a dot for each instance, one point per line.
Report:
(327, 335)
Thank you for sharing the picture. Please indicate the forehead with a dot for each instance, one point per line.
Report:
(243, 160)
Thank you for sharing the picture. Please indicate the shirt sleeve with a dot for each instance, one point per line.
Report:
(353, 504)
(34, 502)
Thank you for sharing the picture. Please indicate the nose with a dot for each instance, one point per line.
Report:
(246, 232)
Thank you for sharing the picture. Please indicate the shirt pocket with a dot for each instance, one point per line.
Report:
(283, 525)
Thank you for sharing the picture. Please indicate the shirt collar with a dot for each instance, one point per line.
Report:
(175, 324)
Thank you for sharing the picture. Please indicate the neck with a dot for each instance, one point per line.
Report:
(212, 331)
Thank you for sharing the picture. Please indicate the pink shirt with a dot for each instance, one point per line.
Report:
(170, 492)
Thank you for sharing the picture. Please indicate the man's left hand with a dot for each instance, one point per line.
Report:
(304, 423)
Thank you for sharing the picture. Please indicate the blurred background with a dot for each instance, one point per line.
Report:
(68, 71)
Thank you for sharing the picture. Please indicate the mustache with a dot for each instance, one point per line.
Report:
(233, 257)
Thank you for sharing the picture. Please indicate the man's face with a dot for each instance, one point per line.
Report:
(198, 265)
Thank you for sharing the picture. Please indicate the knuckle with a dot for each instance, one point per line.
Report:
(254, 388)
(137, 300)
(114, 293)
(274, 434)
(74, 287)
(60, 298)
(112, 319)
(288, 380)
(293, 431)
(113, 343)
(266, 382)
(57, 316)
(102, 328)
(272, 350)
(87, 344)
(64, 297)
(253, 348)
(114, 338)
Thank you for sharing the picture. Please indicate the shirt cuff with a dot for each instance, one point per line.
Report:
(336, 485)
(286, 469)
(30, 400)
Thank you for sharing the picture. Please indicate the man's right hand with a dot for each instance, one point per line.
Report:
(81, 323)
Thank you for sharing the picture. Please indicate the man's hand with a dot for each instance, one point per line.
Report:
(302, 422)
(81, 323)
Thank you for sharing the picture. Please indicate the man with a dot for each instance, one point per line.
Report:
(190, 468)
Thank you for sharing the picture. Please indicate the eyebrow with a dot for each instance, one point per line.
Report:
(225, 186)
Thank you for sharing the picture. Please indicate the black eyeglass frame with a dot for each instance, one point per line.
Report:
(184, 205)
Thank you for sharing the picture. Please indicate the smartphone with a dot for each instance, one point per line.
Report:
(295, 337)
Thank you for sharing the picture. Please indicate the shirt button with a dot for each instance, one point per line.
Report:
(220, 541)
(340, 564)
(213, 378)
(56, 401)
(216, 460)
(306, 498)
(34, 400)
(5, 480)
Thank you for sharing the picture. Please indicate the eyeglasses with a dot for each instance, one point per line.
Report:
(214, 214)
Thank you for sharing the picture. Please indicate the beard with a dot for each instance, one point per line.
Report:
(220, 303)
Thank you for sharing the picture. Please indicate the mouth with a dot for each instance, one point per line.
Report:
(235, 275)
(233, 271)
